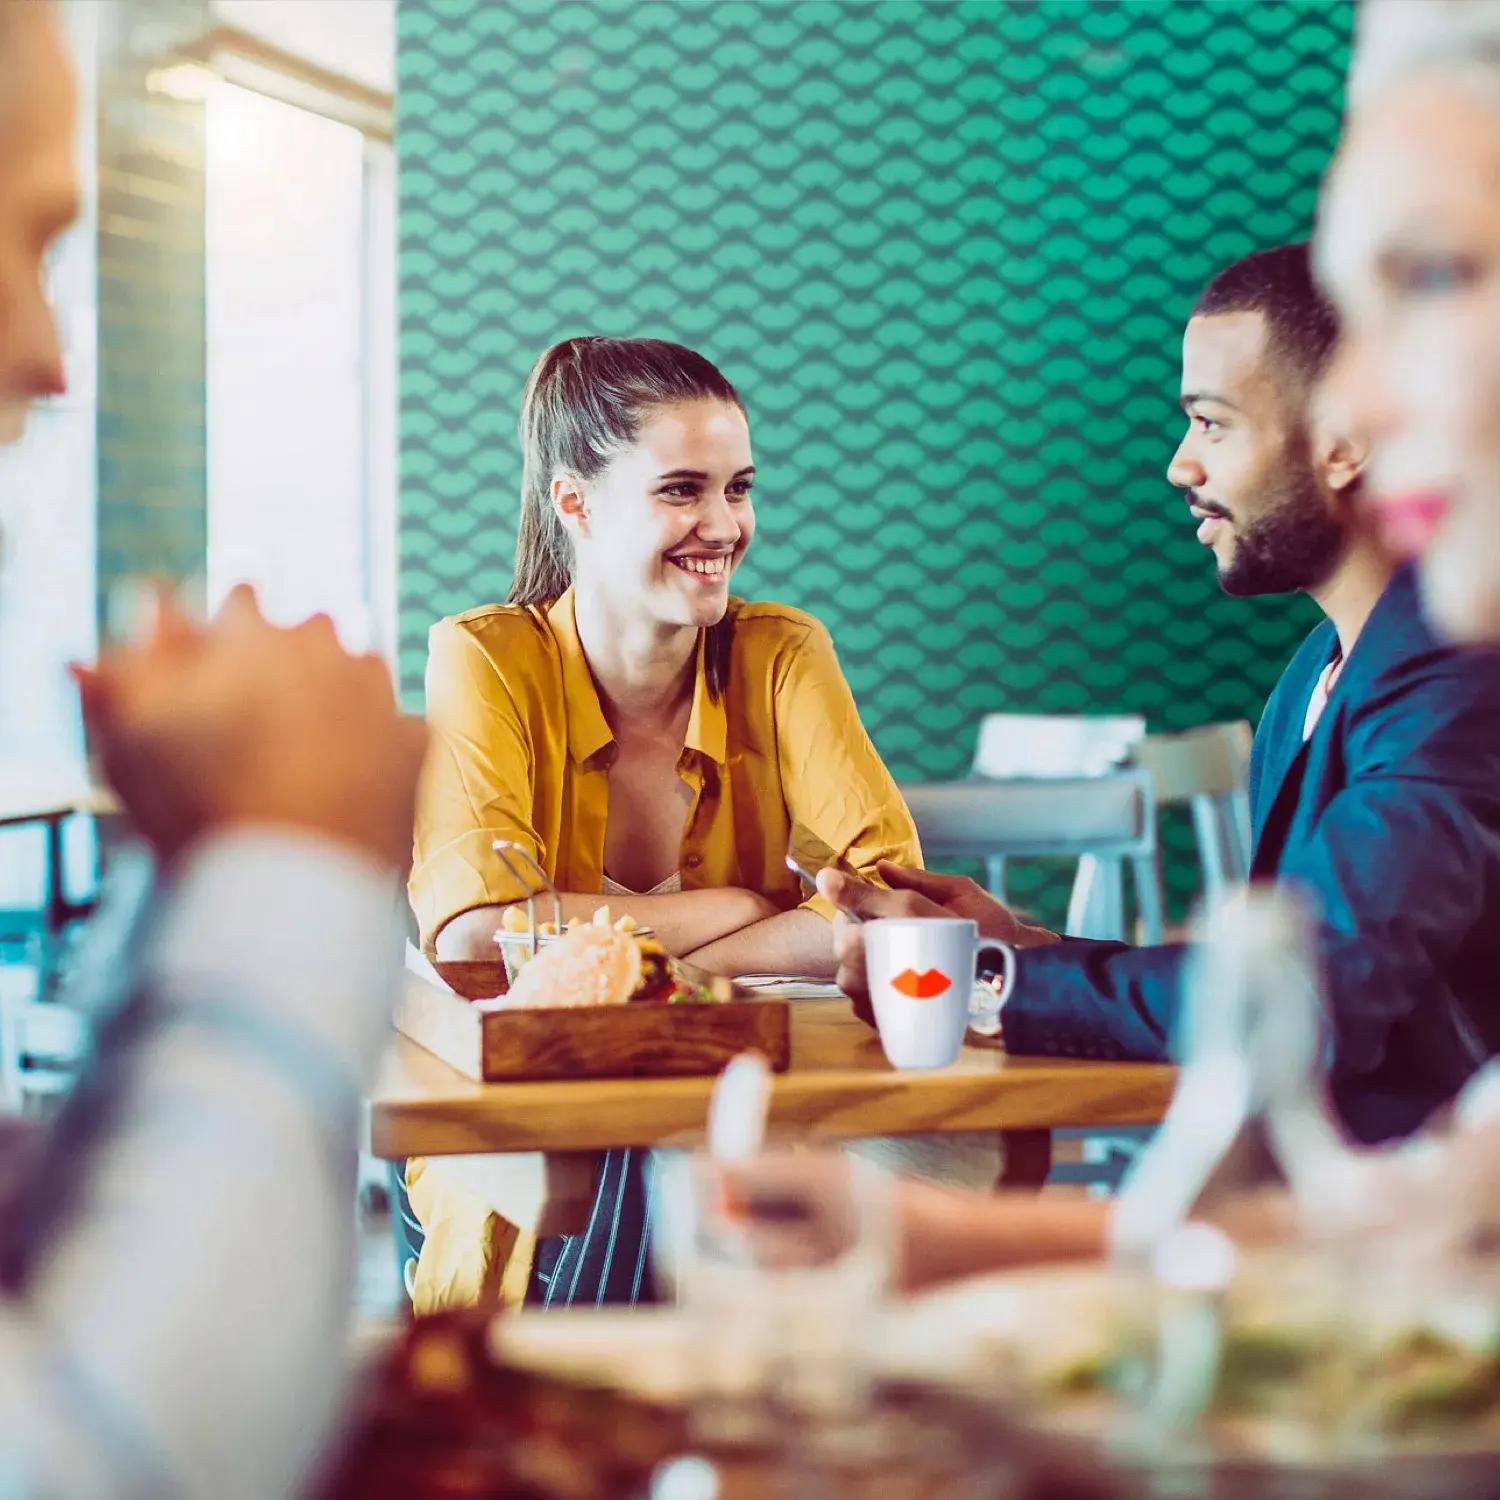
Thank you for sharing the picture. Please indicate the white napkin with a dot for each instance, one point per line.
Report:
(789, 987)
(1043, 745)
(417, 963)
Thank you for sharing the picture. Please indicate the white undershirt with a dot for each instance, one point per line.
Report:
(1319, 700)
(671, 886)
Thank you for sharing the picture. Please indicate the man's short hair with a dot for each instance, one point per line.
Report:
(1301, 324)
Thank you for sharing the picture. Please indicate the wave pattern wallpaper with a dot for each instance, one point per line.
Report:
(945, 250)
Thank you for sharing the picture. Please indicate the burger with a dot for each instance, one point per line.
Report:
(598, 965)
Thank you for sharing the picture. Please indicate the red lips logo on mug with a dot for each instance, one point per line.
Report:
(926, 986)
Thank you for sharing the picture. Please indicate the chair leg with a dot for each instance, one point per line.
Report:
(1237, 823)
(1025, 1158)
(1081, 899)
(1208, 829)
(1097, 906)
(1149, 900)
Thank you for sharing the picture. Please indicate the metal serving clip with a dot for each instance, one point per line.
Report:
(524, 868)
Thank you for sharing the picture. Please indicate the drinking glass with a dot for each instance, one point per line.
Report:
(782, 1270)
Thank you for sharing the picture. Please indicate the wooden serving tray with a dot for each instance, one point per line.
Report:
(614, 1041)
(476, 980)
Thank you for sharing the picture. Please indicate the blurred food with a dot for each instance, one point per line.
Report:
(587, 966)
(1302, 1343)
(604, 964)
(443, 1419)
(1424, 1386)
(515, 935)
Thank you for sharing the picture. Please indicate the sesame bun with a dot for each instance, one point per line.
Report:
(587, 966)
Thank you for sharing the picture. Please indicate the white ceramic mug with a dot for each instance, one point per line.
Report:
(921, 974)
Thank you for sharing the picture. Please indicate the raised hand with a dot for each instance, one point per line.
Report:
(241, 723)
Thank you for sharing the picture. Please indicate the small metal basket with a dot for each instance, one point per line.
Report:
(525, 870)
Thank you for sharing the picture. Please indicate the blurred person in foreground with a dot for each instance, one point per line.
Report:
(1409, 246)
(1376, 785)
(149, 1342)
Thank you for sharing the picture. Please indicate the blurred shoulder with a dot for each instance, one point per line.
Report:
(515, 640)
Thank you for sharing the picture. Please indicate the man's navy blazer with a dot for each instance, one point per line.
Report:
(1389, 818)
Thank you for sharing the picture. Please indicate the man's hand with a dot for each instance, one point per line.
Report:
(239, 722)
(912, 893)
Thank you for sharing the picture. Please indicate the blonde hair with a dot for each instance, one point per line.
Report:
(1397, 39)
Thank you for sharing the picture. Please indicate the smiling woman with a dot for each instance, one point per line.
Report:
(584, 405)
(637, 730)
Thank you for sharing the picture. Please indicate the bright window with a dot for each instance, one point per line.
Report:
(288, 302)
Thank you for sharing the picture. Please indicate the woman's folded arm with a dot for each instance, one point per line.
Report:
(791, 942)
(684, 922)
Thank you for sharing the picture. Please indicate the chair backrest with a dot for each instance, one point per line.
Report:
(1105, 822)
(976, 819)
(1041, 745)
(1209, 769)
(1213, 761)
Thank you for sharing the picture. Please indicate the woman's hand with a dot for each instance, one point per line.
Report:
(241, 723)
(784, 942)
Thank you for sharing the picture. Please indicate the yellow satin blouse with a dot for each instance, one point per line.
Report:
(522, 752)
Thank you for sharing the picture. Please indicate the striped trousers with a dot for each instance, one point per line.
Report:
(610, 1262)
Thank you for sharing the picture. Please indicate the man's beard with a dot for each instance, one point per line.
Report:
(1293, 545)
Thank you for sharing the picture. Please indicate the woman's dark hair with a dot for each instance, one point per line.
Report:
(586, 400)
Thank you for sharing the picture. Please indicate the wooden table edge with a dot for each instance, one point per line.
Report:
(1030, 1095)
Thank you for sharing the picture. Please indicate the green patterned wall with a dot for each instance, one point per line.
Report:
(152, 425)
(944, 250)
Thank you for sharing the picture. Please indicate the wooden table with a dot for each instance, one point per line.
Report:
(839, 1085)
(27, 800)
